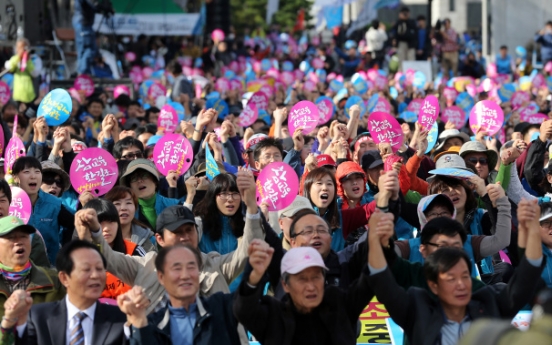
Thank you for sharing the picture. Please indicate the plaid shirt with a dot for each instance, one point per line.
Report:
(19, 285)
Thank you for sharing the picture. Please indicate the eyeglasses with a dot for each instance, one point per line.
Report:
(310, 232)
(435, 215)
(546, 224)
(275, 156)
(229, 196)
(482, 161)
(444, 245)
(50, 180)
(140, 176)
(133, 155)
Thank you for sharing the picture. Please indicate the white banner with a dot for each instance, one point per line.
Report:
(148, 24)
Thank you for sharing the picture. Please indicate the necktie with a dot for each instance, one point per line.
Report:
(77, 333)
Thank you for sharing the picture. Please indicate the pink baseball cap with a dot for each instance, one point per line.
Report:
(298, 259)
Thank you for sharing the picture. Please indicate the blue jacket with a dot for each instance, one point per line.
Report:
(44, 218)
(546, 46)
(504, 65)
(215, 324)
(70, 200)
(547, 272)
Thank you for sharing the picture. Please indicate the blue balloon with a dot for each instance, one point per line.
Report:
(372, 102)
(506, 91)
(275, 64)
(56, 107)
(419, 80)
(450, 83)
(409, 116)
(336, 85)
(534, 136)
(179, 108)
(219, 105)
(352, 101)
(287, 66)
(249, 76)
(432, 137)
(382, 72)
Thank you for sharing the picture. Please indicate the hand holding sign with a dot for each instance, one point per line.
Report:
(384, 128)
(173, 152)
(249, 115)
(428, 112)
(455, 115)
(325, 109)
(94, 170)
(486, 116)
(167, 121)
(278, 185)
(303, 115)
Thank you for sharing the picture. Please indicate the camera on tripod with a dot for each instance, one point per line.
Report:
(105, 7)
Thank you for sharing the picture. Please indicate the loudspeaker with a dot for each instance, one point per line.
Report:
(29, 15)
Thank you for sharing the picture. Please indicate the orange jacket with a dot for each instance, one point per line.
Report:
(113, 285)
(416, 183)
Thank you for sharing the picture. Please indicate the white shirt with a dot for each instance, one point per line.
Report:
(87, 324)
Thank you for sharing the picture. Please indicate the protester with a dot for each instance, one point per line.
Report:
(544, 37)
(22, 66)
(405, 36)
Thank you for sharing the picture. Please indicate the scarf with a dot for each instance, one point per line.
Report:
(17, 273)
(148, 209)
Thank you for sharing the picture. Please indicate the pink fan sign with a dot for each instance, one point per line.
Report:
(155, 90)
(222, 85)
(326, 110)
(287, 78)
(147, 72)
(309, 86)
(94, 170)
(130, 56)
(539, 81)
(167, 121)
(450, 94)
(121, 90)
(317, 63)
(267, 90)
(527, 111)
(84, 83)
(14, 150)
(20, 206)
(235, 84)
(518, 98)
(486, 116)
(5, 92)
(303, 115)
(455, 115)
(277, 185)
(136, 77)
(535, 118)
(384, 128)
(382, 106)
(173, 152)
(249, 115)
(415, 105)
(428, 112)
(380, 82)
(260, 99)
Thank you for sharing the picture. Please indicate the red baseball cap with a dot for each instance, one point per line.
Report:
(323, 160)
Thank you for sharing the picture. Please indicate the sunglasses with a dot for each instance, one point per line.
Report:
(50, 180)
(133, 155)
(482, 161)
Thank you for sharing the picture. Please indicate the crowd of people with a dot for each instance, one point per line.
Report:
(446, 230)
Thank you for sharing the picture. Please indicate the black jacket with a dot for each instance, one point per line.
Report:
(215, 324)
(421, 316)
(533, 171)
(272, 321)
(406, 31)
(47, 325)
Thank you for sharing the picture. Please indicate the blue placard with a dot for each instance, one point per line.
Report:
(219, 105)
(394, 92)
(319, 99)
(506, 91)
(265, 65)
(360, 86)
(55, 107)
(229, 74)
(213, 95)
(211, 167)
(452, 172)
(409, 116)
(432, 137)
(352, 101)
(304, 66)
(372, 102)
(287, 66)
(8, 79)
(465, 102)
(549, 83)
(321, 74)
(158, 74)
(144, 87)
(179, 110)
(263, 115)
(336, 85)
(419, 80)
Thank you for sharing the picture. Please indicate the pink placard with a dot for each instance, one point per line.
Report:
(303, 115)
(260, 99)
(326, 110)
(382, 105)
(249, 115)
(450, 94)
(267, 90)
(130, 56)
(380, 82)
(20, 206)
(94, 170)
(167, 121)
(14, 150)
(277, 185)
(384, 128)
(527, 111)
(518, 98)
(217, 35)
(309, 86)
(1, 143)
(222, 85)
(317, 63)
(535, 118)
(5, 93)
(173, 152)
(84, 83)
(136, 77)
(287, 78)
(121, 90)
(155, 90)
(236, 84)
(455, 115)
(147, 72)
(372, 74)
(539, 81)
(415, 105)
(486, 116)
(428, 112)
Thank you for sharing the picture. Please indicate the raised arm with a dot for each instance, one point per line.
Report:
(503, 230)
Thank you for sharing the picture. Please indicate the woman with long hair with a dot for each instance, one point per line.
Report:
(108, 216)
(126, 203)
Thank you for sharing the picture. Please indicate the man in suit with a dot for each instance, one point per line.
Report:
(79, 319)
(428, 321)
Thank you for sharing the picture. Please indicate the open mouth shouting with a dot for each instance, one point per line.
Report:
(19, 253)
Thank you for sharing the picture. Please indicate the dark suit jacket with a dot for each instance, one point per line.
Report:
(47, 325)
(421, 316)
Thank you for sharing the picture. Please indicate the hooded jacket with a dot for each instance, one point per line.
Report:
(344, 169)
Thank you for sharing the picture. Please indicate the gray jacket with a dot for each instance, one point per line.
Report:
(141, 236)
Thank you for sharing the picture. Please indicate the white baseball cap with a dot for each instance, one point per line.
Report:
(299, 259)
